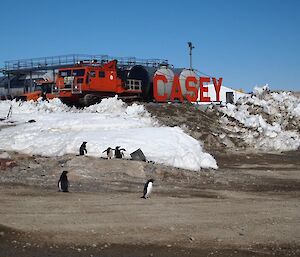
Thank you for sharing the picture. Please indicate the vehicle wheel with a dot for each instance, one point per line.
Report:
(90, 99)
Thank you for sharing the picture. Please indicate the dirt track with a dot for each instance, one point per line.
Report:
(249, 207)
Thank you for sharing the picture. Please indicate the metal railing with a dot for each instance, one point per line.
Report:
(72, 59)
(73, 86)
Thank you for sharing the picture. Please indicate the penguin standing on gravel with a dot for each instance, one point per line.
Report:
(82, 149)
(148, 188)
(119, 152)
(109, 152)
(63, 183)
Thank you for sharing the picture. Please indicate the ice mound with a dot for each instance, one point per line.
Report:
(60, 129)
(266, 120)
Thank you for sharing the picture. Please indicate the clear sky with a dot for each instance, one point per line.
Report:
(247, 42)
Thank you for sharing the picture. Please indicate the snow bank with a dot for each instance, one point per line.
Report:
(267, 121)
(60, 130)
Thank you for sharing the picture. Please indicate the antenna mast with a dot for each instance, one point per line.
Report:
(191, 48)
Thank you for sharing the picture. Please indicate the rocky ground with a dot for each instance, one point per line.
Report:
(248, 207)
(200, 122)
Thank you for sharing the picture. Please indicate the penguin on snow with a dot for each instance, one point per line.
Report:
(63, 183)
(119, 152)
(109, 152)
(82, 148)
(148, 188)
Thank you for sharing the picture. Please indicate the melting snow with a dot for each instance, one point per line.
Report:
(268, 121)
(60, 130)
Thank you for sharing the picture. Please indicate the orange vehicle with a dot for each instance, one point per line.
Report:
(42, 89)
(87, 83)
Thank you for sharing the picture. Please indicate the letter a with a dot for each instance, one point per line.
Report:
(176, 90)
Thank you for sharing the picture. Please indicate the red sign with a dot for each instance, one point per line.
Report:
(192, 85)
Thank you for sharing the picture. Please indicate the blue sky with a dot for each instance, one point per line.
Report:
(247, 42)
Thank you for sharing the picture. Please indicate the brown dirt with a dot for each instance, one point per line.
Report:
(249, 207)
(200, 122)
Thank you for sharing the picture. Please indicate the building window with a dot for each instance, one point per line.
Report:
(229, 97)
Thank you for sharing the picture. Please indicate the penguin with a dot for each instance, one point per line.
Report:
(148, 188)
(82, 148)
(44, 97)
(109, 152)
(118, 152)
(63, 182)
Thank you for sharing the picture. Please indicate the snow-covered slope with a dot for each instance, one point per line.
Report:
(60, 129)
(266, 121)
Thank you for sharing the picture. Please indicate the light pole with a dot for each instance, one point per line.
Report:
(191, 48)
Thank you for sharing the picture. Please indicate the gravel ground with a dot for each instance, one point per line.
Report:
(249, 207)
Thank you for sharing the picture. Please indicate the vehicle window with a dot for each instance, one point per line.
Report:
(101, 74)
(65, 73)
(80, 80)
(92, 73)
(78, 73)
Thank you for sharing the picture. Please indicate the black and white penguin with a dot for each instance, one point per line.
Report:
(63, 182)
(148, 188)
(119, 152)
(82, 148)
(109, 152)
(44, 97)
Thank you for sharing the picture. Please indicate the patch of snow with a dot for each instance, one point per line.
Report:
(258, 91)
(60, 130)
(4, 155)
(271, 120)
(296, 111)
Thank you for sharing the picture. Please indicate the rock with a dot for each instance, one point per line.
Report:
(227, 142)
(192, 238)
(4, 155)
(2, 233)
(169, 246)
